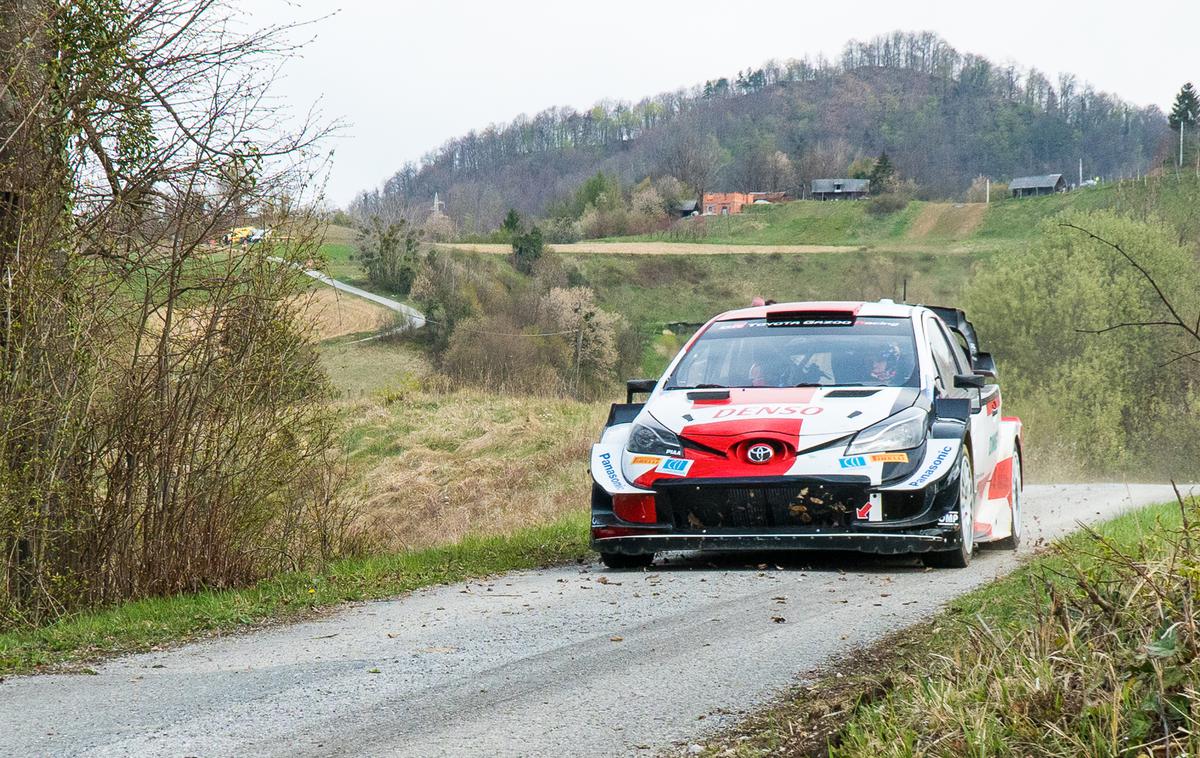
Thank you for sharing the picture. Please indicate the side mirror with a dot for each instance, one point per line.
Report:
(985, 365)
(638, 386)
(969, 381)
(956, 409)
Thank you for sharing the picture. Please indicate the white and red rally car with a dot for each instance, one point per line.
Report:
(839, 425)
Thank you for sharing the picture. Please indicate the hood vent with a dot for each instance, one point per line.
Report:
(851, 393)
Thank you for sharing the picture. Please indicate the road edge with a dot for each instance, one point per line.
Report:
(812, 715)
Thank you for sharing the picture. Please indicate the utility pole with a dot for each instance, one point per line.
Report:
(987, 195)
(1081, 172)
(1182, 121)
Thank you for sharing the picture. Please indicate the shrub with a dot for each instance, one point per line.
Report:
(887, 203)
(1107, 402)
(527, 250)
(390, 254)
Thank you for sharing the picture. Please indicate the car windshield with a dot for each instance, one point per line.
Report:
(865, 352)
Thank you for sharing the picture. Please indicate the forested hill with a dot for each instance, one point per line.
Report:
(942, 116)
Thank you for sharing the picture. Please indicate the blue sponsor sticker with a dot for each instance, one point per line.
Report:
(857, 461)
(675, 466)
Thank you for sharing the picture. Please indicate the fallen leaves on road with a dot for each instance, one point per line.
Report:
(778, 619)
(616, 638)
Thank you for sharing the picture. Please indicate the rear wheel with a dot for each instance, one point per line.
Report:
(623, 561)
(1013, 541)
(960, 557)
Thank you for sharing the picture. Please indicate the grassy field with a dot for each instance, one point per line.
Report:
(943, 228)
(990, 675)
(652, 291)
(431, 465)
(805, 222)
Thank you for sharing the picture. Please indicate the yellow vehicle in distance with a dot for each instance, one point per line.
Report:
(244, 235)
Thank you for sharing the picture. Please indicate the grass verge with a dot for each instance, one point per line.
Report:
(1064, 656)
(147, 624)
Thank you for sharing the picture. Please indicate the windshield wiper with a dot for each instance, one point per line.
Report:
(700, 387)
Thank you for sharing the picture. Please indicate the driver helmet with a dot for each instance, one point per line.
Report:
(885, 363)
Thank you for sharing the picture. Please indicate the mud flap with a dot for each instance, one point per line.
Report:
(993, 512)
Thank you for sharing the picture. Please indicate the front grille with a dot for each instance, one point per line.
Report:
(790, 505)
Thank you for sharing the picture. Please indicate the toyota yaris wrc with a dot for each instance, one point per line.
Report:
(841, 426)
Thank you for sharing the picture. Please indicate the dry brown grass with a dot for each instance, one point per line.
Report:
(947, 220)
(334, 314)
(660, 248)
(434, 467)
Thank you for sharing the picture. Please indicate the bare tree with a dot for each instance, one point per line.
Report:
(693, 157)
(1173, 320)
(161, 416)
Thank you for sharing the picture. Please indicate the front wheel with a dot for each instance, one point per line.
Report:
(624, 561)
(960, 557)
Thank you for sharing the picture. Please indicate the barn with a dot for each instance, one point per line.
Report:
(840, 189)
(1029, 186)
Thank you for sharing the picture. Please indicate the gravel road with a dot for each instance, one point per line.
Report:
(566, 661)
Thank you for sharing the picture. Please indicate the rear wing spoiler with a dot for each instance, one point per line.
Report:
(957, 321)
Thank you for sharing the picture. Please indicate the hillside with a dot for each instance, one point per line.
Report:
(944, 118)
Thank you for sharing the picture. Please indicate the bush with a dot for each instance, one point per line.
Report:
(1102, 403)
(390, 254)
(887, 203)
(527, 250)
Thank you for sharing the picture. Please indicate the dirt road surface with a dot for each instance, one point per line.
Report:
(564, 661)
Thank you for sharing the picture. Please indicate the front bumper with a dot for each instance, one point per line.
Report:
(881, 543)
(782, 513)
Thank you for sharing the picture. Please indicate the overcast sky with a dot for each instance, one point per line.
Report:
(407, 76)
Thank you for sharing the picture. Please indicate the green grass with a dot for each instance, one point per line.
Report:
(338, 258)
(652, 291)
(1006, 222)
(804, 222)
(372, 369)
(141, 625)
(1018, 219)
(869, 688)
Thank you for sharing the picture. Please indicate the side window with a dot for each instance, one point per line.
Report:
(943, 355)
(960, 353)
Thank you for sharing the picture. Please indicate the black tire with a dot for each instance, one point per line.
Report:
(624, 561)
(1013, 541)
(960, 557)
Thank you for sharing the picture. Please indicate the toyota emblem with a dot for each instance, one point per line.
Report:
(760, 453)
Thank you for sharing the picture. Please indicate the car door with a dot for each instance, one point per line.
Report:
(985, 403)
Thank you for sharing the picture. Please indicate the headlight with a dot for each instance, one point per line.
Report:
(902, 431)
(652, 439)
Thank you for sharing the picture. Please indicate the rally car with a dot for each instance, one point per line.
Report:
(839, 425)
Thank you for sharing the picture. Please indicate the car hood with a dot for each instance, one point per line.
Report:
(804, 416)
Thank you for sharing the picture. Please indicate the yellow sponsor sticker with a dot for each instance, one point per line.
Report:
(651, 460)
(890, 458)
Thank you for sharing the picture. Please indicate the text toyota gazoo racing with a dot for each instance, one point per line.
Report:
(863, 426)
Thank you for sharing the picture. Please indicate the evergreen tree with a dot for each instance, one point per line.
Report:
(882, 173)
(512, 222)
(1186, 108)
(527, 250)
